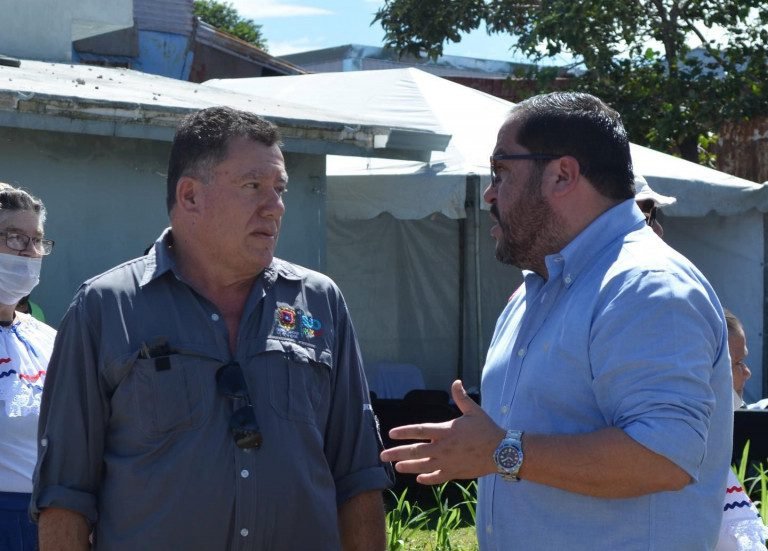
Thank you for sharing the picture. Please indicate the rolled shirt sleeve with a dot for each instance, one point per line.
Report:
(73, 418)
(656, 386)
(352, 442)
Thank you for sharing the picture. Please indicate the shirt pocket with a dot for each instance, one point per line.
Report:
(299, 380)
(172, 393)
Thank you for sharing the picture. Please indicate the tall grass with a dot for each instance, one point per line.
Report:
(403, 520)
(409, 525)
(450, 527)
(756, 485)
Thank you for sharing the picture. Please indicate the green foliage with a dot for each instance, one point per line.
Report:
(402, 521)
(225, 17)
(636, 55)
(756, 486)
(448, 519)
(438, 528)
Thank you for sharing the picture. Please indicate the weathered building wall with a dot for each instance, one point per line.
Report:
(106, 203)
(743, 149)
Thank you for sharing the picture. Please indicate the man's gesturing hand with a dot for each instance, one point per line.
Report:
(458, 449)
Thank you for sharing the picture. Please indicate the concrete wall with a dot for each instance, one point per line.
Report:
(106, 203)
(45, 29)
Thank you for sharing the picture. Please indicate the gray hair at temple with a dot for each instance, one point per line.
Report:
(732, 322)
(13, 199)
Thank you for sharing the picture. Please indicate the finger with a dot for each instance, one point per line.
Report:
(435, 477)
(409, 452)
(424, 431)
(462, 399)
(416, 466)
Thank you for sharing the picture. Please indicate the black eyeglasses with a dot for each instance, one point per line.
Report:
(19, 242)
(230, 382)
(518, 157)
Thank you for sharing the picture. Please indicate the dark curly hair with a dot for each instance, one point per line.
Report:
(202, 139)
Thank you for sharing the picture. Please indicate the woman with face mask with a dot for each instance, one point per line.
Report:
(25, 347)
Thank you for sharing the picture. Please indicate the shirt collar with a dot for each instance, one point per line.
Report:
(579, 254)
(160, 260)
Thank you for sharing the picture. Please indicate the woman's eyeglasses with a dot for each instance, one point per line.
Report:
(19, 242)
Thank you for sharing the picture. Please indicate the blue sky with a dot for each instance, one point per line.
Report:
(298, 25)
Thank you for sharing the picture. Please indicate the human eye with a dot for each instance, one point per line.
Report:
(495, 177)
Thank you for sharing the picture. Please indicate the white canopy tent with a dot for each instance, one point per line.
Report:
(411, 251)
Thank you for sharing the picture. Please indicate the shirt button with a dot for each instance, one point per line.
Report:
(244, 532)
(215, 317)
(488, 529)
(521, 352)
(568, 279)
(44, 442)
(504, 409)
(244, 473)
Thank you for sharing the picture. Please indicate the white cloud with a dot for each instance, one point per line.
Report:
(265, 9)
(280, 48)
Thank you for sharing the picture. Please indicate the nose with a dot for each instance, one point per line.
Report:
(489, 195)
(273, 206)
(747, 372)
(30, 250)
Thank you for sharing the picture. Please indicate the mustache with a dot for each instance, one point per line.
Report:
(495, 211)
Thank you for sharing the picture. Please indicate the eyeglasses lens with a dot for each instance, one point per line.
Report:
(651, 216)
(230, 382)
(244, 428)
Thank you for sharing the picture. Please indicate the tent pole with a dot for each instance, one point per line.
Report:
(462, 299)
(474, 191)
(764, 328)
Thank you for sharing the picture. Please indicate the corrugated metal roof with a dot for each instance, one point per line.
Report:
(171, 16)
(374, 58)
(210, 36)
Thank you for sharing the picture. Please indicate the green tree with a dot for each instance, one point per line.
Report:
(225, 17)
(675, 69)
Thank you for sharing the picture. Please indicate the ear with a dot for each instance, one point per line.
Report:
(564, 176)
(188, 194)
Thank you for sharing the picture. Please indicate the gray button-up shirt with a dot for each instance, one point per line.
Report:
(141, 446)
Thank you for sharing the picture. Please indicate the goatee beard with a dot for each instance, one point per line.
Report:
(530, 230)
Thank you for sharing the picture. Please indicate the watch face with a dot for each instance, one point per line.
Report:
(508, 456)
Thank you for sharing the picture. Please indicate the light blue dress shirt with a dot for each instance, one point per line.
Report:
(624, 333)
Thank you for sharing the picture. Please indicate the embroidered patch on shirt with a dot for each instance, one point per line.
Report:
(296, 324)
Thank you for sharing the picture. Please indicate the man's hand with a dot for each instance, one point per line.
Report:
(458, 449)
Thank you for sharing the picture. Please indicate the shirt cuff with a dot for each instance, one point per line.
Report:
(375, 478)
(64, 498)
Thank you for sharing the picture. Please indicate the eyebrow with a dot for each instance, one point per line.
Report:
(38, 233)
(257, 174)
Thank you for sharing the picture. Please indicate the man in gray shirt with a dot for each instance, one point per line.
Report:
(208, 395)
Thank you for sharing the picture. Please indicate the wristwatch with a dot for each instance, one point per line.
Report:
(509, 455)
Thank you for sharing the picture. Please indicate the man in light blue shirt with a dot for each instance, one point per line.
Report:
(606, 418)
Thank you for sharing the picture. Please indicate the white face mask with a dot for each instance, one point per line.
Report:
(18, 276)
